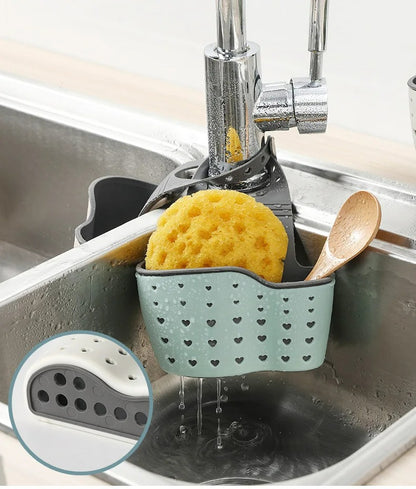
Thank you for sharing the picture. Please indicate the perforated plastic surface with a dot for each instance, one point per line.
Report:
(217, 322)
(98, 355)
(74, 395)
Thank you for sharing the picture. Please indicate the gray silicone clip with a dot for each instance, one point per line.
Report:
(73, 395)
(275, 194)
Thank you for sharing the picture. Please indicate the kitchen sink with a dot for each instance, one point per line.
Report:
(338, 424)
(45, 170)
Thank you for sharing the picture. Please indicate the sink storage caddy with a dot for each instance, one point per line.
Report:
(225, 321)
(112, 201)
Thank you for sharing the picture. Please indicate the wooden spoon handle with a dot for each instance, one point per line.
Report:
(326, 264)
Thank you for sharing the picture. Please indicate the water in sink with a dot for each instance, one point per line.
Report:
(269, 433)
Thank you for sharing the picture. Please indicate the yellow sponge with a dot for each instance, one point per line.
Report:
(217, 228)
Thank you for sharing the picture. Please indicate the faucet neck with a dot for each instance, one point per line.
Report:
(232, 88)
(231, 27)
(240, 107)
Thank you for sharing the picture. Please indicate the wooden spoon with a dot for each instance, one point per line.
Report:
(354, 228)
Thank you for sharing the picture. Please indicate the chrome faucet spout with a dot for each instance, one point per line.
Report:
(231, 27)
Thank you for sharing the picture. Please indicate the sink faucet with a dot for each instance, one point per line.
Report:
(240, 107)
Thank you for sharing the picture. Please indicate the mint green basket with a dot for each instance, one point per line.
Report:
(218, 322)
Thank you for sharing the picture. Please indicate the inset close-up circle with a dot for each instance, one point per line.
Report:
(80, 402)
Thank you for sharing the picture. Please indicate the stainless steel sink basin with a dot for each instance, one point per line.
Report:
(45, 170)
(338, 424)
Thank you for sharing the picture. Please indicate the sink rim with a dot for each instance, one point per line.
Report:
(102, 118)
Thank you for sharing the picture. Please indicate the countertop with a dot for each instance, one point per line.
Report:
(337, 146)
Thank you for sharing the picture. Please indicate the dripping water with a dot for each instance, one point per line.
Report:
(182, 428)
(182, 394)
(219, 436)
(199, 405)
(219, 411)
(219, 408)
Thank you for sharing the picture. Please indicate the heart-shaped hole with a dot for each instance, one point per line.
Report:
(156, 303)
(260, 297)
(211, 322)
(186, 322)
(208, 287)
(261, 321)
(171, 360)
(187, 342)
(261, 337)
(237, 320)
(306, 358)
(165, 340)
(287, 341)
(212, 342)
(215, 362)
(262, 357)
(161, 320)
(183, 303)
(239, 359)
(236, 302)
(285, 299)
(310, 324)
(235, 285)
(209, 304)
(180, 286)
(311, 310)
(238, 340)
(287, 325)
(309, 340)
(192, 362)
(285, 358)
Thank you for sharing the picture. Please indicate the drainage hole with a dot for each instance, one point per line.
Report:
(80, 404)
(79, 384)
(132, 377)
(122, 352)
(140, 418)
(59, 379)
(119, 413)
(85, 350)
(110, 361)
(61, 400)
(96, 340)
(100, 409)
(43, 396)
